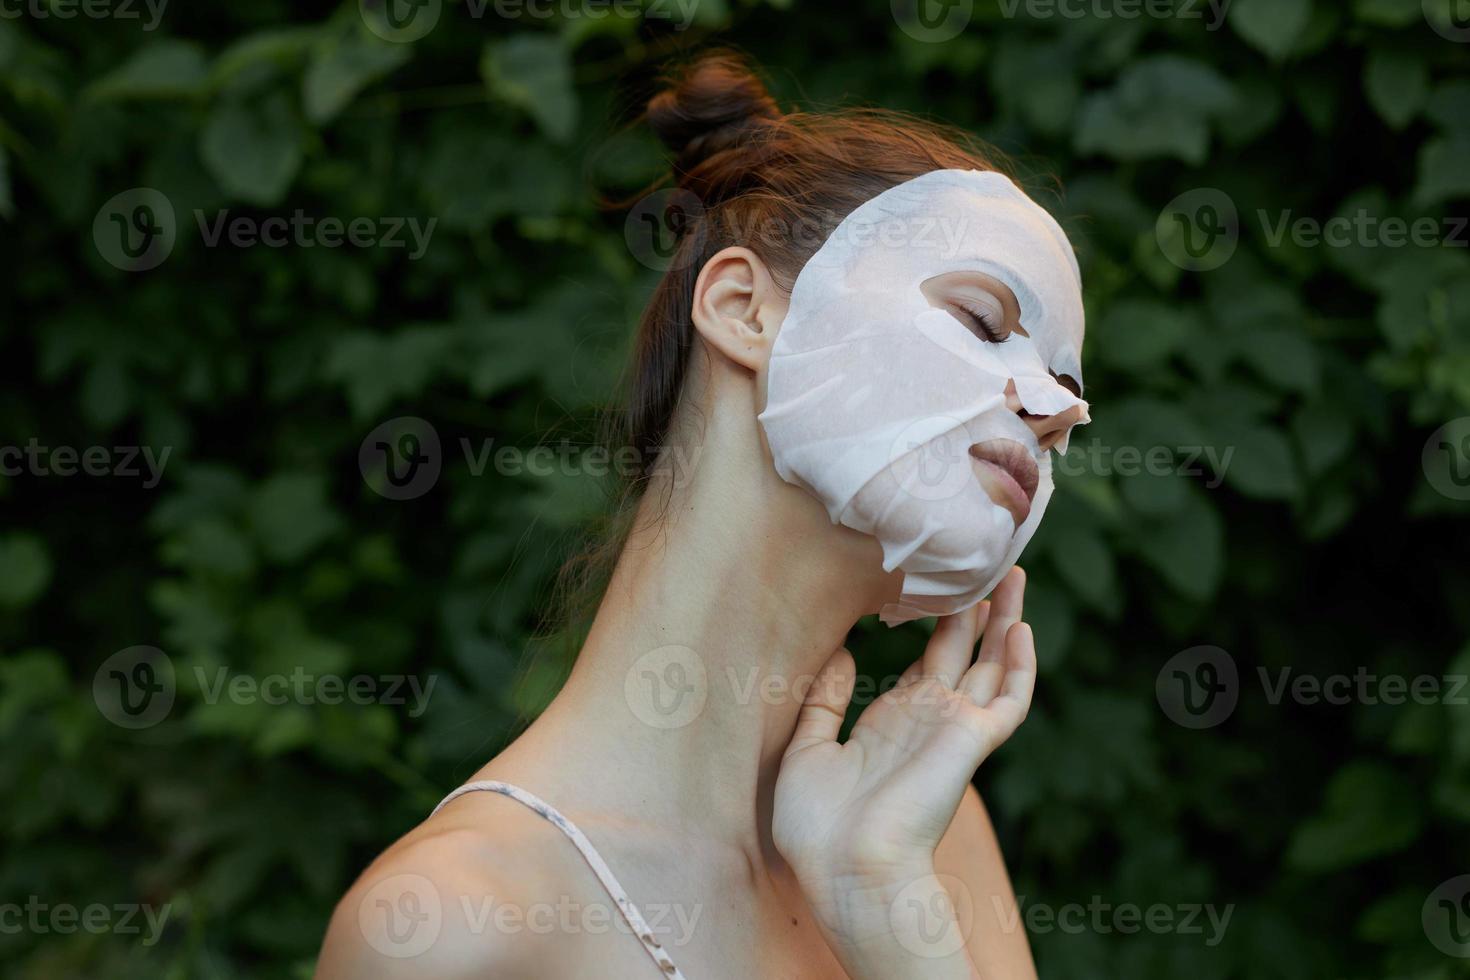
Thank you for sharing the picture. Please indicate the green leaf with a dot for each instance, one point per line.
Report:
(1161, 106)
(1369, 811)
(1323, 435)
(1444, 169)
(253, 149)
(1261, 462)
(26, 570)
(291, 516)
(1085, 563)
(533, 72)
(1142, 333)
(7, 201)
(1388, 13)
(1284, 357)
(1449, 105)
(160, 70)
(1397, 84)
(263, 54)
(30, 679)
(1270, 26)
(1187, 548)
(343, 67)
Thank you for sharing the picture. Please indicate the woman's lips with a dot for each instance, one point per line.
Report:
(1008, 473)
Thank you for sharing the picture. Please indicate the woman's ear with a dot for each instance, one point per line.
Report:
(738, 307)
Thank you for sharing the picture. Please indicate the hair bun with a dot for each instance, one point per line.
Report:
(709, 107)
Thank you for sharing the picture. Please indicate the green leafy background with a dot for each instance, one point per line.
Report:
(263, 549)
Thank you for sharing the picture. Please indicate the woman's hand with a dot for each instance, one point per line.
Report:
(865, 816)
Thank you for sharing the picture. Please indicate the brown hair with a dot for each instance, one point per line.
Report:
(777, 183)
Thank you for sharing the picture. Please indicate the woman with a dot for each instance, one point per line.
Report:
(860, 294)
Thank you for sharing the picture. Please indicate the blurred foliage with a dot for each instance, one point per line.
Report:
(262, 550)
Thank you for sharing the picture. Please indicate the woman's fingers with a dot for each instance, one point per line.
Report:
(948, 654)
(825, 704)
(1006, 602)
(1007, 709)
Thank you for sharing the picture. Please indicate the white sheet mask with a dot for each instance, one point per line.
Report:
(874, 397)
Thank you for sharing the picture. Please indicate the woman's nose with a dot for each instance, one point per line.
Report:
(1048, 429)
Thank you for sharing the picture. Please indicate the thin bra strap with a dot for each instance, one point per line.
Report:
(604, 874)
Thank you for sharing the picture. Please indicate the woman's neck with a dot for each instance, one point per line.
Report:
(719, 614)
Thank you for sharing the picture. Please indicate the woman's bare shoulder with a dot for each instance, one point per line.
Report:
(449, 899)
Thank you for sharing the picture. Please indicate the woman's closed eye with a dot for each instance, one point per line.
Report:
(986, 324)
